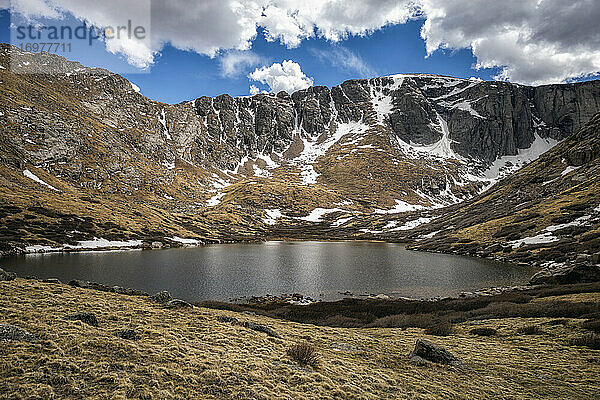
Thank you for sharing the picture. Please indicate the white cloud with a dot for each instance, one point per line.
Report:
(292, 21)
(287, 76)
(236, 63)
(32, 8)
(532, 41)
(255, 90)
(345, 60)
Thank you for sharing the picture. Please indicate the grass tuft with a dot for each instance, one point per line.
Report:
(530, 330)
(304, 353)
(483, 331)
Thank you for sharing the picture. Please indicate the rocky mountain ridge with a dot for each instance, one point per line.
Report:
(85, 155)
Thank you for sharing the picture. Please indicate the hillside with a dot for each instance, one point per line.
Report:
(84, 156)
(198, 353)
(547, 213)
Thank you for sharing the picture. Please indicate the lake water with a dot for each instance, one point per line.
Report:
(321, 270)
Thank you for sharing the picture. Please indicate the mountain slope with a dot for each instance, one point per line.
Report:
(84, 154)
(549, 211)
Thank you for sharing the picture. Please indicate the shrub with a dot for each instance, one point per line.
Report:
(561, 321)
(483, 331)
(591, 340)
(407, 321)
(441, 329)
(304, 354)
(529, 330)
(592, 325)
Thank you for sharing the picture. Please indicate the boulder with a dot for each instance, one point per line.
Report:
(52, 280)
(227, 319)
(85, 317)
(261, 328)
(129, 291)
(161, 297)
(567, 274)
(176, 303)
(11, 332)
(78, 283)
(128, 334)
(426, 351)
(7, 276)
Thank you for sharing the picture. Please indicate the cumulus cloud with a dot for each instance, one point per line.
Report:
(236, 63)
(533, 42)
(345, 60)
(287, 76)
(291, 21)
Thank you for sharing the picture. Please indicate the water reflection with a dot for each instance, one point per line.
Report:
(229, 271)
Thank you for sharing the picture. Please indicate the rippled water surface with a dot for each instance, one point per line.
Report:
(317, 269)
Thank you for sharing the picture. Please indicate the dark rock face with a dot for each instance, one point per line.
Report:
(11, 332)
(261, 328)
(581, 272)
(85, 317)
(427, 351)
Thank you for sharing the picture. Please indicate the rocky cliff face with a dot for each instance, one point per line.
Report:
(271, 164)
(547, 213)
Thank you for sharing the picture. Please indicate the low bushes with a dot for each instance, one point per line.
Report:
(591, 340)
(304, 354)
(483, 331)
(441, 329)
(529, 330)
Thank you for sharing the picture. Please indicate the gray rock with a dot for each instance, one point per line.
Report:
(78, 283)
(128, 334)
(426, 350)
(261, 328)
(177, 303)
(11, 332)
(161, 297)
(227, 319)
(129, 291)
(85, 317)
(578, 273)
(52, 280)
(7, 276)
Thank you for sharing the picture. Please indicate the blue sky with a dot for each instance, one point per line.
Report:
(184, 75)
(178, 75)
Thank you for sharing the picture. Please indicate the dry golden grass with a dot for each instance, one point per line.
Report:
(189, 354)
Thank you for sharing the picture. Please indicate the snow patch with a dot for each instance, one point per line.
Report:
(313, 150)
(272, 215)
(215, 200)
(187, 242)
(506, 165)
(163, 121)
(316, 214)
(542, 238)
(400, 207)
(440, 149)
(135, 87)
(33, 177)
(569, 169)
(412, 224)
